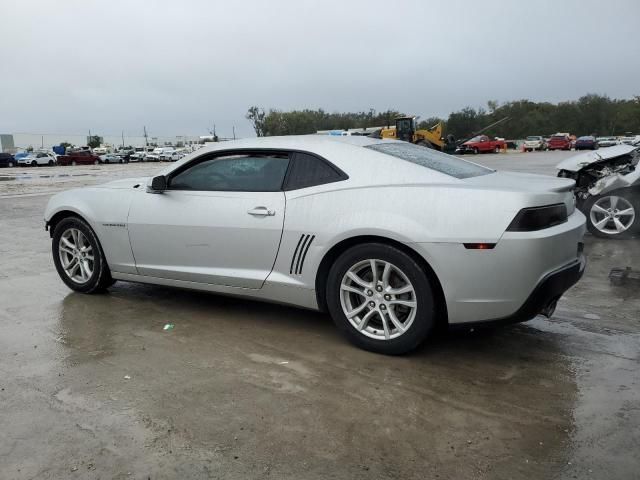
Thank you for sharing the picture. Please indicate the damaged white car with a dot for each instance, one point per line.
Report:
(607, 189)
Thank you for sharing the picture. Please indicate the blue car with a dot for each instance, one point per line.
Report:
(587, 142)
(7, 160)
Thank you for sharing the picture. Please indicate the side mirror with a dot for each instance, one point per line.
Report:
(159, 184)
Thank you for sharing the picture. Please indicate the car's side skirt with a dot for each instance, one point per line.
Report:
(270, 292)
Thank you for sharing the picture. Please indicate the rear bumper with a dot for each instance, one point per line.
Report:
(544, 296)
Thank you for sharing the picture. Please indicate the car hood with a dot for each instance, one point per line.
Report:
(124, 183)
(522, 182)
(581, 160)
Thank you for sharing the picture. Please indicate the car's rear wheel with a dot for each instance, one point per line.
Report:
(10, 164)
(34, 163)
(613, 215)
(73, 163)
(497, 149)
(78, 257)
(380, 298)
(96, 162)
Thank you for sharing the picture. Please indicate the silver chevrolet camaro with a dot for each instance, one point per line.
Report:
(392, 239)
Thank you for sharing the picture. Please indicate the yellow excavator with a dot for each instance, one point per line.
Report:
(406, 129)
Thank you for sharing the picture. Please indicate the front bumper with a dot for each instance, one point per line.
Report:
(544, 296)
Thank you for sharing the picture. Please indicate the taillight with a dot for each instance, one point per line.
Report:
(537, 218)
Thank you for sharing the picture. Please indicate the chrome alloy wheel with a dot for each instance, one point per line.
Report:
(378, 299)
(612, 215)
(76, 255)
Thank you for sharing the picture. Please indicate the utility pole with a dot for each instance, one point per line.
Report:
(123, 139)
(146, 141)
(234, 132)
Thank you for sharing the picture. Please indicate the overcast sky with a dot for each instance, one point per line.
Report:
(179, 66)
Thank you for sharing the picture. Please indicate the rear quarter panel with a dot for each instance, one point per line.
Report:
(407, 213)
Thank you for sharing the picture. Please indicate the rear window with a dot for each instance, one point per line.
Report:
(556, 137)
(429, 158)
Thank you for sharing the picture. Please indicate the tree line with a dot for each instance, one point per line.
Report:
(590, 114)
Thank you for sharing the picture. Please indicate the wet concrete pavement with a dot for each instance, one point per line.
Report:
(93, 387)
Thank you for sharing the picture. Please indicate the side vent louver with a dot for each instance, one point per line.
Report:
(300, 253)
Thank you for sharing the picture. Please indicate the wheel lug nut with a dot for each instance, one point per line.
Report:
(383, 307)
(369, 293)
(372, 304)
(387, 297)
(379, 288)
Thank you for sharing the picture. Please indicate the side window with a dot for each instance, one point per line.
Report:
(254, 172)
(308, 170)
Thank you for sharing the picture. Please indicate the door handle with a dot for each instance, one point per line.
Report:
(261, 212)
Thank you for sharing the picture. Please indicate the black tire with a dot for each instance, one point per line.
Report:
(74, 163)
(476, 151)
(34, 163)
(101, 276)
(424, 321)
(497, 149)
(628, 195)
(10, 164)
(50, 163)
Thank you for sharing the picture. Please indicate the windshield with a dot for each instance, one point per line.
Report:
(534, 138)
(429, 158)
(479, 138)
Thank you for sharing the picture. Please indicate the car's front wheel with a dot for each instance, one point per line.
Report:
(380, 298)
(613, 215)
(78, 257)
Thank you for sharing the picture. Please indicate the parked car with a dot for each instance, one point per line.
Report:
(482, 144)
(534, 142)
(172, 156)
(125, 155)
(166, 154)
(81, 157)
(608, 141)
(631, 140)
(607, 189)
(587, 142)
(100, 150)
(138, 154)
(7, 160)
(35, 159)
(559, 142)
(111, 158)
(294, 220)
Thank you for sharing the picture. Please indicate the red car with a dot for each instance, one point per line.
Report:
(482, 144)
(82, 157)
(559, 142)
